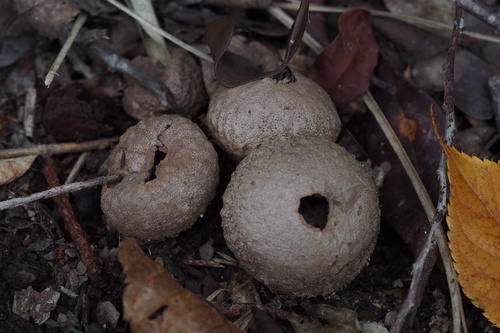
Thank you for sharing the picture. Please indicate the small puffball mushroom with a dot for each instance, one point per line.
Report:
(181, 75)
(170, 176)
(243, 118)
(301, 216)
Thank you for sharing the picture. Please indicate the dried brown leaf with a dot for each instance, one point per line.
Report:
(345, 67)
(324, 318)
(13, 168)
(231, 69)
(154, 302)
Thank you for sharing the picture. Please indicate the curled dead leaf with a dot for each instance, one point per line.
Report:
(13, 168)
(154, 302)
(233, 70)
(345, 67)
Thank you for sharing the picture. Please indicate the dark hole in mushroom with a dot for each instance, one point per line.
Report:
(159, 156)
(158, 312)
(314, 209)
(286, 76)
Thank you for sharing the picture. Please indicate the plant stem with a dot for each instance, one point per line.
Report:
(80, 20)
(153, 42)
(57, 148)
(162, 32)
(58, 190)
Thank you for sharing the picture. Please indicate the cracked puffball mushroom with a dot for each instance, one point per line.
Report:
(243, 118)
(301, 216)
(170, 174)
(181, 75)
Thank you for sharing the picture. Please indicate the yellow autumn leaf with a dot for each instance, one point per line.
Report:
(474, 223)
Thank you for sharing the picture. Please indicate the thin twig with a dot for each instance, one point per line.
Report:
(76, 168)
(418, 267)
(413, 20)
(162, 32)
(423, 196)
(448, 108)
(80, 20)
(71, 224)
(481, 10)
(58, 148)
(58, 190)
(126, 67)
(409, 306)
(449, 78)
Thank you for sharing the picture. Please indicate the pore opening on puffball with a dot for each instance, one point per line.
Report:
(159, 156)
(314, 209)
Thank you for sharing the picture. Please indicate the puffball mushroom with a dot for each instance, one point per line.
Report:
(301, 216)
(243, 118)
(181, 75)
(170, 174)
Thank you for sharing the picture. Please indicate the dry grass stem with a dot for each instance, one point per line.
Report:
(58, 148)
(80, 20)
(414, 20)
(76, 168)
(162, 32)
(155, 44)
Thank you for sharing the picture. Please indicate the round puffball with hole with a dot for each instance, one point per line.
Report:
(301, 216)
(243, 118)
(170, 174)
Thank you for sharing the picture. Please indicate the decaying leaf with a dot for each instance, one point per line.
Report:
(345, 67)
(404, 105)
(13, 168)
(154, 302)
(231, 69)
(474, 222)
(324, 318)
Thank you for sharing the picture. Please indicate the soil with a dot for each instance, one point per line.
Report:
(38, 258)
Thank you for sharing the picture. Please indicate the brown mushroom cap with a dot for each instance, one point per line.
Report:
(243, 118)
(182, 75)
(279, 245)
(158, 200)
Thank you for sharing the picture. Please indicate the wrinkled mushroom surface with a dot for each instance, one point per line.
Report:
(243, 118)
(170, 175)
(301, 216)
(181, 75)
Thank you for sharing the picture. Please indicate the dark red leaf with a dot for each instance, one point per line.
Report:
(345, 67)
(407, 109)
(232, 70)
